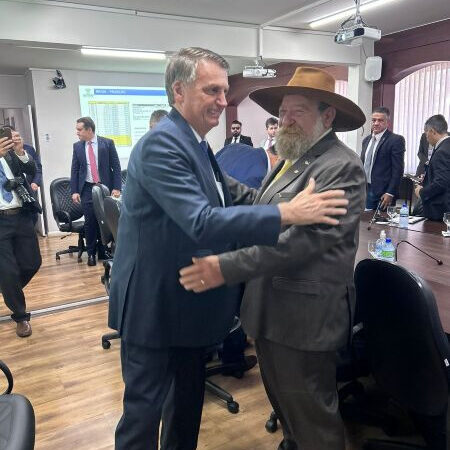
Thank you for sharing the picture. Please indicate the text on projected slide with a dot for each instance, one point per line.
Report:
(122, 113)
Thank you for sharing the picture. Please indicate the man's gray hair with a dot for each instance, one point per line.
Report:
(437, 123)
(183, 66)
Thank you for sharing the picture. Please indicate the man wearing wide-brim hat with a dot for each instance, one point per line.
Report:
(299, 298)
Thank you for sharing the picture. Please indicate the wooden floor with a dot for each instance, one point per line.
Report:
(63, 281)
(75, 386)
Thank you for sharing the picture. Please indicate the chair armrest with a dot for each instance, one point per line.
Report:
(5, 369)
(64, 216)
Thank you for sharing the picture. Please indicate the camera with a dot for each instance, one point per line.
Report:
(17, 184)
(58, 81)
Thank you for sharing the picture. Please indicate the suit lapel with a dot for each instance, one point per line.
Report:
(382, 141)
(100, 152)
(296, 170)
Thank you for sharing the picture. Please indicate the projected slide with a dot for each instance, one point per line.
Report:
(121, 113)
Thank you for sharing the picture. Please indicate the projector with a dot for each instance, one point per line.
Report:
(258, 72)
(356, 34)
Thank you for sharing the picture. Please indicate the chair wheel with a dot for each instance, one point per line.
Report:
(79, 260)
(58, 257)
(271, 426)
(106, 345)
(233, 407)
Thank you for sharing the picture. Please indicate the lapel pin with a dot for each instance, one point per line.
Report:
(306, 163)
(295, 171)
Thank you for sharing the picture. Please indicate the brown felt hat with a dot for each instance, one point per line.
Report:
(318, 84)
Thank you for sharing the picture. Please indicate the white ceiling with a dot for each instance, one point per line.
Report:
(398, 15)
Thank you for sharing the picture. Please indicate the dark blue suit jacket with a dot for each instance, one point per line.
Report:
(37, 178)
(171, 212)
(108, 165)
(435, 194)
(388, 163)
(247, 164)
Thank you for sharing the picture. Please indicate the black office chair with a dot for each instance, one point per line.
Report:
(99, 193)
(111, 216)
(17, 423)
(123, 176)
(407, 349)
(67, 215)
(406, 192)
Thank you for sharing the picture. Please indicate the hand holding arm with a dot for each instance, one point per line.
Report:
(308, 207)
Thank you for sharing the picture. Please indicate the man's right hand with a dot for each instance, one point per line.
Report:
(308, 207)
(76, 198)
(5, 145)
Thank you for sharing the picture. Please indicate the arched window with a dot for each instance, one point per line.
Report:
(419, 96)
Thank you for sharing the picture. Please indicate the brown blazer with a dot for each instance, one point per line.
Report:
(300, 293)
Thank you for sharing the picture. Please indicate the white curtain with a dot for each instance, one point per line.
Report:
(419, 96)
(340, 88)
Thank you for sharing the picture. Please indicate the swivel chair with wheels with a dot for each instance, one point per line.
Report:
(406, 192)
(17, 423)
(67, 215)
(111, 212)
(407, 349)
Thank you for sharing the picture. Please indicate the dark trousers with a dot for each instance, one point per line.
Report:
(372, 200)
(301, 387)
(161, 383)
(91, 228)
(20, 259)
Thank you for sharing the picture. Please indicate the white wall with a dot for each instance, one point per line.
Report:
(13, 93)
(253, 119)
(56, 111)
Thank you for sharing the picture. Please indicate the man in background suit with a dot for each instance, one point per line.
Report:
(271, 129)
(247, 164)
(236, 136)
(299, 298)
(94, 160)
(383, 158)
(177, 206)
(435, 190)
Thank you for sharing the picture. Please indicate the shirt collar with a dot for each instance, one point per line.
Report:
(197, 136)
(93, 140)
(440, 140)
(378, 136)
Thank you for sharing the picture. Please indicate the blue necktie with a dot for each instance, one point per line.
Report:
(204, 146)
(7, 196)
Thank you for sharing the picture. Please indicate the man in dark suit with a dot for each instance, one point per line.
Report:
(177, 206)
(435, 190)
(94, 160)
(299, 298)
(383, 158)
(20, 257)
(247, 164)
(236, 136)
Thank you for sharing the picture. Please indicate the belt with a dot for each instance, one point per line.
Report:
(10, 212)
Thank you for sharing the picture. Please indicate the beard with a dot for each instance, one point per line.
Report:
(293, 142)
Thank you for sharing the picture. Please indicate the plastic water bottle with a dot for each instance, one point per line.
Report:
(404, 216)
(388, 252)
(380, 243)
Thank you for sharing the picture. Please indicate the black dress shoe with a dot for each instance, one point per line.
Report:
(91, 260)
(286, 444)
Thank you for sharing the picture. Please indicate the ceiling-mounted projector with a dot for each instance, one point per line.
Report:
(354, 35)
(258, 72)
(354, 30)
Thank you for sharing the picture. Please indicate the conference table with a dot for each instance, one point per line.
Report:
(427, 236)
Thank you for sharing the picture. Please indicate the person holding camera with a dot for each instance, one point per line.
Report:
(19, 248)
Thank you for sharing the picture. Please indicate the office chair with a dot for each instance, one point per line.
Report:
(111, 212)
(67, 215)
(406, 192)
(407, 349)
(17, 423)
(99, 193)
(123, 176)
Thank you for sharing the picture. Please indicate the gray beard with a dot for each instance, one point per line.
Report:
(292, 144)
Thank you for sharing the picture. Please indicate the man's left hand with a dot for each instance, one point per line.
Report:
(417, 190)
(204, 274)
(115, 193)
(386, 200)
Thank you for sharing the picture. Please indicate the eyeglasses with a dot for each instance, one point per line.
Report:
(235, 128)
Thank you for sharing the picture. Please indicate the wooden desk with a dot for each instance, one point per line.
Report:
(438, 277)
